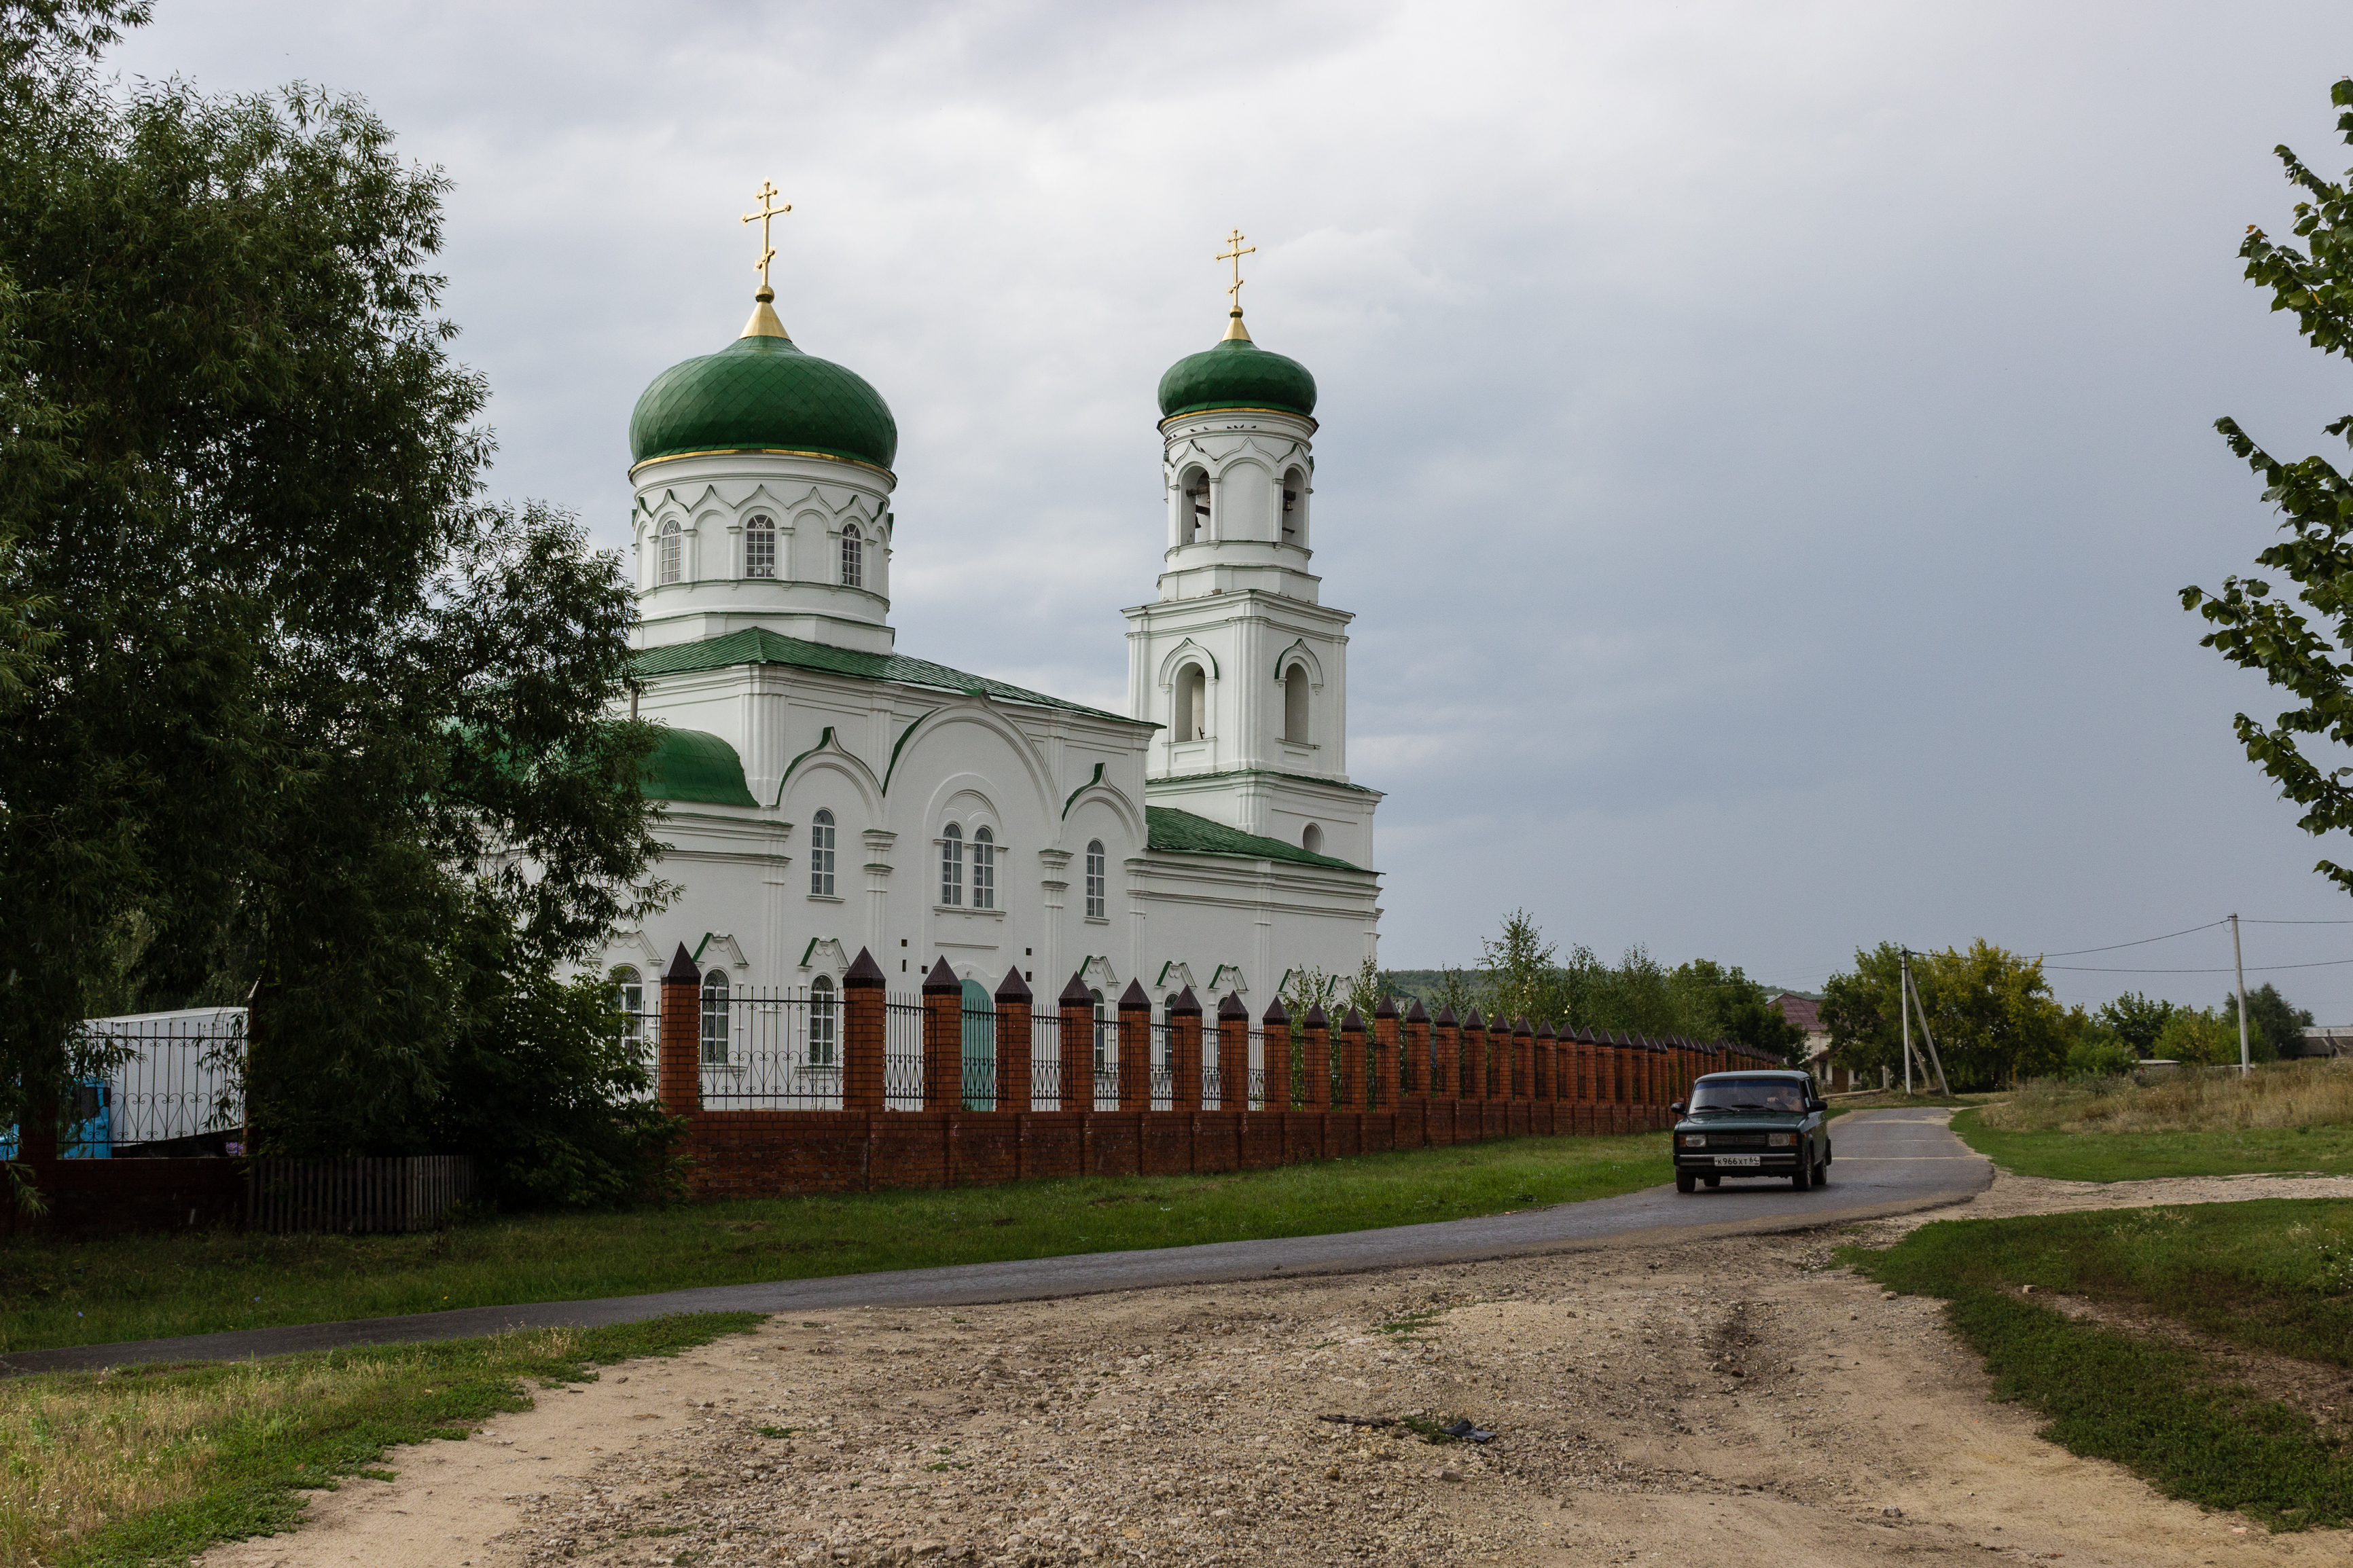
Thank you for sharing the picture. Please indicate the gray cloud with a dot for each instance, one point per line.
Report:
(1760, 443)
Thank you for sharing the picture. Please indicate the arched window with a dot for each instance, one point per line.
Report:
(714, 1017)
(629, 1001)
(1192, 703)
(673, 546)
(1294, 507)
(1097, 893)
(760, 546)
(952, 866)
(825, 1023)
(1313, 840)
(1295, 704)
(821, 854)
(984, 868)
(1193, 509)
(854, 558)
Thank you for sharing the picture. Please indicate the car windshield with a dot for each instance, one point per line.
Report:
(1748, 1094)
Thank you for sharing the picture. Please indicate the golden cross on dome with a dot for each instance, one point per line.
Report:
(768, 214)
(1234, 253)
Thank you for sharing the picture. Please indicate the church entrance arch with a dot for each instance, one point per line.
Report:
(979, 1048)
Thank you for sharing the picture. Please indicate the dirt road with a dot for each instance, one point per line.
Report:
(1737, 1396)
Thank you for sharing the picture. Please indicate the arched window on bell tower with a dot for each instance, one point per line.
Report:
(1192, 713)
(1295, 704)
(1294, 507)
(1193, 508)
(854, 558)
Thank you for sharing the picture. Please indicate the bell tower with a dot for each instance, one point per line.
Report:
(1238, 660)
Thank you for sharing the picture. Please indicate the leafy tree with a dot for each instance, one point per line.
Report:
(1990, 1011)
(2136, 1020)
(2200, 1035)
(2274, 1025)
(1517, 972)
(2299, 645)
(2099, 1055)
(293, 709)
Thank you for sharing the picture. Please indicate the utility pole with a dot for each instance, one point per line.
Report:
(1904, 1006)
(1935, 1063)
(2239, 963)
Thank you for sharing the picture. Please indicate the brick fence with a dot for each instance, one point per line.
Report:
(1401, 1081)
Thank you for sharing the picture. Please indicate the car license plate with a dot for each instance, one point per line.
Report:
(1740, 1159)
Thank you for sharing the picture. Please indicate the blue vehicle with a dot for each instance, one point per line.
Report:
(92, 1134)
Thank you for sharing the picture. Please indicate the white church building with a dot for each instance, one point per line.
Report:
(822, 792)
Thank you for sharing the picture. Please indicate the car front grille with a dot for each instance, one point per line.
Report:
(1728, 1140)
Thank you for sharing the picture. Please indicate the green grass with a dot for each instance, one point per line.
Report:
(149, 1465)
(2273, 1275)
(2093, 1156)
(153, 1287)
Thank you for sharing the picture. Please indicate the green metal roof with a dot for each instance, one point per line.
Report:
(1182, 833)
(757, 644)
(695, 765)
(1237, 373)
(762, 394)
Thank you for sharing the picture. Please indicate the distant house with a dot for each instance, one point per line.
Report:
(1806, 1012)
(2324, 1040)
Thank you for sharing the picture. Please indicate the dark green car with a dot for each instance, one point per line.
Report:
(1749, 1124)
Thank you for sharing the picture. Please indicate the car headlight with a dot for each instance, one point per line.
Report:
(1780, 1140)
(1692, 1140)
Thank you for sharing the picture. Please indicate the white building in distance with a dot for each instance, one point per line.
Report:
(822, 792)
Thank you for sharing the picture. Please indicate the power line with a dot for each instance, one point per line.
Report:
(2226, 969)
(2144, 942)
(2253, 921)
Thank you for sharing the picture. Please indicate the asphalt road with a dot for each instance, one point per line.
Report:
(1885, 1162)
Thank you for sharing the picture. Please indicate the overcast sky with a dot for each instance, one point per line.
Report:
(1761, 444)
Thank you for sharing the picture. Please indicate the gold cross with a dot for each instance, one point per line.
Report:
(769, 212)
(1235, 254)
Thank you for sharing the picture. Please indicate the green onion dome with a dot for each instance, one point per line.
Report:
(1237, 373)
(762, 394)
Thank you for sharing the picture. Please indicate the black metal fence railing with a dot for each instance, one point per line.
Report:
(162, 1084)
(1045, 1061)
(902, 1054)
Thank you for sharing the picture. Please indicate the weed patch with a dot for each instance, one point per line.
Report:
(152, 1464)
(2268, 1276)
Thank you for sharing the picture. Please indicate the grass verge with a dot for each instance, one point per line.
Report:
(2095, 1156)
(150, 1465)
(138, 1288)
(2195, 1122)
(2160, 1389)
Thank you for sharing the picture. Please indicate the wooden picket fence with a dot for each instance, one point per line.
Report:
(408, 1193)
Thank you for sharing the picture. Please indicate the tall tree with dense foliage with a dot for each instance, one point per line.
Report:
(294, 712)
(1990, 1011)
(2136, 1020)
(2301, 644)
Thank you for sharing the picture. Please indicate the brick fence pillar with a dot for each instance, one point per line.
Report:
(942, 1039)
(1135, 1048)
(864, 1034)
(1234, 1054)
(1315, 1059)
(1474, 1057)
(1524, 1060)
(1446, 1055)
(1548, 1063)
(1275, 1039)
(1185, 1051)
(1413, 1052)
(1385, 1052)
(681, 1084)
(1352, 1060)
(1076, 1041)
(1014, 1034)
